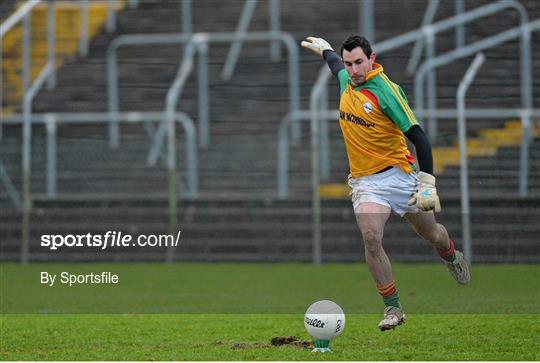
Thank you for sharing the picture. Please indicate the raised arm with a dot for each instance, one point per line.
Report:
(323, 48)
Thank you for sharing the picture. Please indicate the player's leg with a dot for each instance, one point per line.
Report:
(425, 225)
(371, 219)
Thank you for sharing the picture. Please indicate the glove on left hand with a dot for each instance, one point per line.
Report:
(426, 197)
(318, 45)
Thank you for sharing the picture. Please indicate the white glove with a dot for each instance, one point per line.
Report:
(426, 197)
(318, 45)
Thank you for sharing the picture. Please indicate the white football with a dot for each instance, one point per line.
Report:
(324, 320)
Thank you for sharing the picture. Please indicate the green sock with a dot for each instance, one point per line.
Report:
(450, 258)
(392, 300)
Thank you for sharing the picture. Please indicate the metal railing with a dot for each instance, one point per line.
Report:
(236, 45)
(522, 32)
(29, 93)
(431, 31)
(51, 121)
(429, 53)
(366, 19)
(459, 8)
(30, 89)
(187, 15)
(462, 140)
(23, 14)
(429, 15)
(202, 40)
(526, 74)
(27, 152)
(241, 30)
(83, 30)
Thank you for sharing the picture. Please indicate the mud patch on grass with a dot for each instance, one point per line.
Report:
(274, 342)
(292, 340)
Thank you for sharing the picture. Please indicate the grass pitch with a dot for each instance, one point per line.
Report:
(231, 312)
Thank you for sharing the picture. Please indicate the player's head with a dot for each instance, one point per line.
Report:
(358, 58)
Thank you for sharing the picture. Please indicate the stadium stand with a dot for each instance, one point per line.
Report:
(6, 8)
(237, 216)
(67, 39)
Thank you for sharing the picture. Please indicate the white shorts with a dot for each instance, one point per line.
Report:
(392, 188)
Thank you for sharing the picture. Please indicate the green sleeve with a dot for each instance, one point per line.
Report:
(343, 78)
(394, 103)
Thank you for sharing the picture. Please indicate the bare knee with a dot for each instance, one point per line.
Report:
(372, 242)
(435, 235)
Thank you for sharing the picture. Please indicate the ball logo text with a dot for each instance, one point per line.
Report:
(314, 322)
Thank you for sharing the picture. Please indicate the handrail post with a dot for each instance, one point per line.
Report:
(314, 98)
(26, 73)
(186, 16)
(50, 124)
(429, 15)
(526, 68)
(315, 184)
(191, 155)
(110, 26)
(51, 42)
(459, 8)
(171, 172)
(315, 165)
(112, 90)
(462, 137)
(274, 14)
(26, 170)
(172, 99)
(203, 98)
(366, 18)
(83, 31)
(27, 159)
(27, 142)
(283, 156)
(191, 170)
(325, 137)
(432, 86)
(294, 86)
(526, 133)
(236, 46)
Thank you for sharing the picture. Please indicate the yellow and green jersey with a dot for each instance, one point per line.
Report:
(373, 118)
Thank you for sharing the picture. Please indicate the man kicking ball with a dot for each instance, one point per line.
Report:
(374, 118)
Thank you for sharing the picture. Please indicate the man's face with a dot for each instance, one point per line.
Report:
(357, 65)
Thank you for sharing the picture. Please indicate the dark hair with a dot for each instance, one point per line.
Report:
(355, 41)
